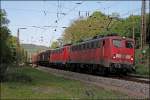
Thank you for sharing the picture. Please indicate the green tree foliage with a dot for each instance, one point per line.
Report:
(55, 44)
(4, 20)
(100, 24)
(5, 52)
(96, 24)
(85, 28)
(4, 36)
(125, 26)
(8, 46)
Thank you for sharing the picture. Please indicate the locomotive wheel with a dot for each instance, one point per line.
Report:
(103, 71)
(77, 67)
(90, 69)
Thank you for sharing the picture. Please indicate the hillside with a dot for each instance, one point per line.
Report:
(32, 48)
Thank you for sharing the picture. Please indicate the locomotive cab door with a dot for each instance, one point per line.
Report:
(101, 52)
(65, 54)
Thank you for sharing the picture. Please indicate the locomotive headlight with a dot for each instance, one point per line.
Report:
(114, 56)
(131, 59)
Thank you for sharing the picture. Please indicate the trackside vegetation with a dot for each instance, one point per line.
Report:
(29, 83)
(142, 61)
(8, 46)
(99, 23)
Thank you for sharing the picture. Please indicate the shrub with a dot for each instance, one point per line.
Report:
(18, 77)
(3, 69)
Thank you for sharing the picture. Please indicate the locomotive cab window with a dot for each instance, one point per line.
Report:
(117, 43)
(129, 44)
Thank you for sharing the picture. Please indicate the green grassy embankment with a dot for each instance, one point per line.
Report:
(142, 70)
(142, 62)
(30, 83)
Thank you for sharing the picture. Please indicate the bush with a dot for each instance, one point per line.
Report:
(141, 58)
(13, 73)
(3, 69)
(18, 77)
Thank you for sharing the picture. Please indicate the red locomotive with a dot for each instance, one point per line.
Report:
(105, 54)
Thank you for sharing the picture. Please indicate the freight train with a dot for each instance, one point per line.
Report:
(107, 54)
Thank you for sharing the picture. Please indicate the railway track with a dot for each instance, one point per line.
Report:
(133, 78)
(139, 76)
(129, 86)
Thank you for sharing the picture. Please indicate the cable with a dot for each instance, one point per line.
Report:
(33, 10)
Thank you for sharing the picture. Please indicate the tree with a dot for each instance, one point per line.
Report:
(100, 24)
(85, 28)
(8, 44)
(4, 36)
(4, 47)
(115, 15)
(55, 44)
(3, 16)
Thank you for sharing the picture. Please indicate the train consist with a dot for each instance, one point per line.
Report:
(108, 54)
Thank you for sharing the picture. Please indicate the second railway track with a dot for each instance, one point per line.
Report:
(132, 88)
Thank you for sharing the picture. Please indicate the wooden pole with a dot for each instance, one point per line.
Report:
(143, 34)
(133, 28)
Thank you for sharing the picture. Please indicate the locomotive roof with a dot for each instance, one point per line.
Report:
(95, 39)
(102, 38)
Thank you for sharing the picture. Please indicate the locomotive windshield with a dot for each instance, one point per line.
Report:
(120, 44)
(129, 44)
(117, 43)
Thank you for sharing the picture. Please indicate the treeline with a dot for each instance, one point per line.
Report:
(101, 24)
(8, 46)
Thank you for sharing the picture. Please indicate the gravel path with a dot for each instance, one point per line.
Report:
(133, 89)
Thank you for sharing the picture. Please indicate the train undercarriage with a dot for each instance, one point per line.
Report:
(114, 68)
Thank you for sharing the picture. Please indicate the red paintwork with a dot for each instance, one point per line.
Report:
(123, 51)
(92, 56)
(66, 53)
(62, 56)
(56, 57)
(102, 55)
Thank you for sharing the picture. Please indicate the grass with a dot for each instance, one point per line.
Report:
(142, 70)
(29, 83)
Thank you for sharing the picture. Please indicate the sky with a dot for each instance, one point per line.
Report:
(44, 20)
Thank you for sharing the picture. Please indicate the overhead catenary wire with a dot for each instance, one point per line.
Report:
(69, 11)
(60, 18)
(54, 26)
(35, 11)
